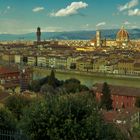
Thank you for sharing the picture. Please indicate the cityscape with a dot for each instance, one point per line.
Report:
(70, 76)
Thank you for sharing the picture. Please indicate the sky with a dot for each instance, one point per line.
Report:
(24, 16)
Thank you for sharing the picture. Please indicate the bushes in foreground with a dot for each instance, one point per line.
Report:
(7, 120)
(73, 116)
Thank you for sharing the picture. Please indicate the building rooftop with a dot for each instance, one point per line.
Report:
(4, 70)
(120, 115)
(3, 95)
(120, 90)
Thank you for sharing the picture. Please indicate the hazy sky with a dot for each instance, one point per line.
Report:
(23, 16)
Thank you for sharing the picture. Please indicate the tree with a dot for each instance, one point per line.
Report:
(60, 117)
(44, 80)
(47, 90)
(83, 88)
(137, 102)
(35, 86)
(106, 101)
(72, 85)
(72, 80)
(71, 116)
(112, 132)
(16, 104)
(136, 132)
(51, 79)
(7, 120)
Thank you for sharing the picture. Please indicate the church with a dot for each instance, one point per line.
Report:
(122, 40)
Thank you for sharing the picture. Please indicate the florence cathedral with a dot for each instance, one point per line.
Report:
(122, 40)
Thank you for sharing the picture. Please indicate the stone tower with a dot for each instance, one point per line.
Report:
(98, 38)
(38, 34)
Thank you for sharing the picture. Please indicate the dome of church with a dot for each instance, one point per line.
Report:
(122, 35)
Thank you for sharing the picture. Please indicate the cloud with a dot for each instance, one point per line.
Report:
(38, 9)
(134, 27)
(135, 12)
(101, 24)
(5, 10)
(85, 26)
(128, 5)
(8, 7)
(70, 9)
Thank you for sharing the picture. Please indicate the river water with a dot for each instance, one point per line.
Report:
(89, 80)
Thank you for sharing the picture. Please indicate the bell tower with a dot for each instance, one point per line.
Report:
(98, 38)
(38, 34)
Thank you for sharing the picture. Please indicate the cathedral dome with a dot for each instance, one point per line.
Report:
(122, 35)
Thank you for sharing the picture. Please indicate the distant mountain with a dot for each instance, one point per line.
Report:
(81, 35)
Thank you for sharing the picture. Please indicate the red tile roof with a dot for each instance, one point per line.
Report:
(3, 95)
(4, 70)
(120, 90)
(121, 114)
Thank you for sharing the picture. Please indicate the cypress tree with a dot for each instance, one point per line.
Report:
(106, 101)
(52, 79)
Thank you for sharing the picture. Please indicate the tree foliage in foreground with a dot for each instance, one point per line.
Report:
(73, 116)
(136, 132)
(7, 120)
(16, 103)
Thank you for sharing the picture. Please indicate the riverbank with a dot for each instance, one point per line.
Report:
(102, 75)
(90, 79)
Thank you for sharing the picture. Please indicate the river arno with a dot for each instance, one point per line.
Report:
(90, 80)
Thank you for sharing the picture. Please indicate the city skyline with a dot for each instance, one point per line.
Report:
(53, 16)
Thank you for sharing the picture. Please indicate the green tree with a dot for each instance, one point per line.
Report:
(7, 120)
(35, 86)
(44, 80)
(137, 102)
(52, 79)
(136, 132)
(16, 104)
(72, 85)
(71, 116)
(106, 101)
(83, 88)
(48, 90)
(112, 132)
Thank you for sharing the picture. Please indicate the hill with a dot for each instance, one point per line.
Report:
(70, 35)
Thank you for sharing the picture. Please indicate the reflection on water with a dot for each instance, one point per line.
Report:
(91, 80)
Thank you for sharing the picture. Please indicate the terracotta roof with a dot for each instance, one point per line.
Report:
(137, 65)
(3, 95)
(10, 85)
(122, 34)
(4, 70)
(120, 90)
(121, 114)
(109, 116)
